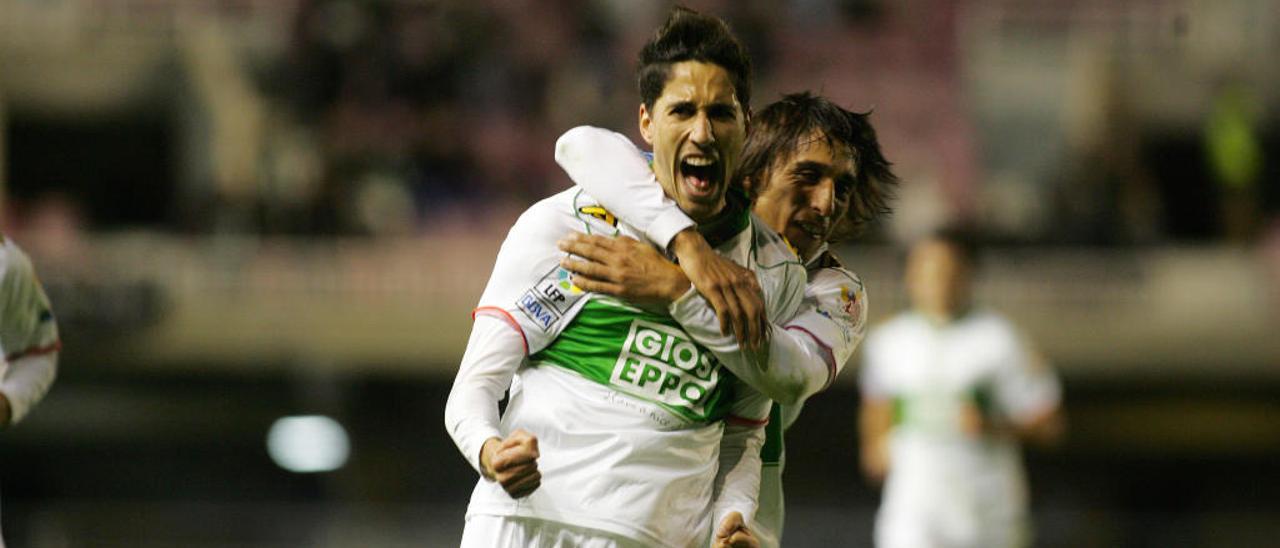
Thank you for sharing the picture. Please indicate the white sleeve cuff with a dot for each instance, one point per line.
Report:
(670, 221)
(471, 441)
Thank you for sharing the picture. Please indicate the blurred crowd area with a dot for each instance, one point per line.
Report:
(1084, 122)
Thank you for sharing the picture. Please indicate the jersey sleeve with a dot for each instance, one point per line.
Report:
(29, 340)
(737, 483)
(873, 377)
(834, 316)
(527, 288)
(494, 353)
(27, 324)
(1025, 384)
(795, 365)
(612, 170)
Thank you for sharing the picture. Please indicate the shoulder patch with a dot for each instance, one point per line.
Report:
(600, 213)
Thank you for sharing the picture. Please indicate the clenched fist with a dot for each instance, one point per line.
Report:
(733, 533)
(512, 462)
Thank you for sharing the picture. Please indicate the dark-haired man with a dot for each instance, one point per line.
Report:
(817, 175)
(620, 430)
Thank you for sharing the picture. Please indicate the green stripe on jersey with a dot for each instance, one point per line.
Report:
(644, 355)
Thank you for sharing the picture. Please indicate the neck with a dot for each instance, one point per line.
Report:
(727, 222)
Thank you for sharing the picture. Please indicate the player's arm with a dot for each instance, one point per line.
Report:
(1027, 396)
(494, 352)
(30, 336)
(737, 484)
(501, 338)
(612, 170)
(875, 420)
(803, 355)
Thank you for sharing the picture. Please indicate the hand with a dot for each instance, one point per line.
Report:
(623, 267)
(733, 291)
(875, 459)
(513, 463)
(972, 423)
(733, 533)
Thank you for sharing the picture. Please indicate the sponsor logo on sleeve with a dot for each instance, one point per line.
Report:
(550, 299)
(661, 363)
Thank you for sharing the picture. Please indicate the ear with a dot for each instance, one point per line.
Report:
(646, 124)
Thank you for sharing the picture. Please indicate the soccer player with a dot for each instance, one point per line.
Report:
(949, 391)
(817, 175)
(28, 337)
(619, 429)
(29, 342)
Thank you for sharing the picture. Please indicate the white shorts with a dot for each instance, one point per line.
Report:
(482, 531)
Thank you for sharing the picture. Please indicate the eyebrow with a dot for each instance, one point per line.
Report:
(820, 167)
(712, 105)
(810, 165)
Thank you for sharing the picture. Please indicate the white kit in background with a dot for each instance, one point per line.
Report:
(946, 487)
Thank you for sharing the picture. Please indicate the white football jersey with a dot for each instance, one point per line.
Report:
(945, 487)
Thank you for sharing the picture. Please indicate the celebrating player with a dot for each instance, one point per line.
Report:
(620, 429)
(817, 175)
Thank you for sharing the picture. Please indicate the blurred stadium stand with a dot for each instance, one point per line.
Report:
(248, 209)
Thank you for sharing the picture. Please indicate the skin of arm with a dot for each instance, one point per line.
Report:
(875, 421)
(612, 170)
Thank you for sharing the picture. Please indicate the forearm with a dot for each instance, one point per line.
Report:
(612, 170)
(27, 381)
(789, 368)
(875, 421)
(493, 354)
(1045, 429)
(737, 486)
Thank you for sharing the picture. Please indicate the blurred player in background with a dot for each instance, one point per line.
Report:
(619, 429)
(817, 175)
(28, 337)
(949, 392)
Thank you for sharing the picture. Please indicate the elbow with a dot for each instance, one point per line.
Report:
(789, 391)
(570, 147)
(451, 414)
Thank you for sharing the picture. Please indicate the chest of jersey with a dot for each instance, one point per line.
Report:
(644, 355)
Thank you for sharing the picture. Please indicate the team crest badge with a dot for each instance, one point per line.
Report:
(852, 306)
(599, 213)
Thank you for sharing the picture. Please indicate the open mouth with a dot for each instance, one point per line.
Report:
(815, 230)
(701, 175)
